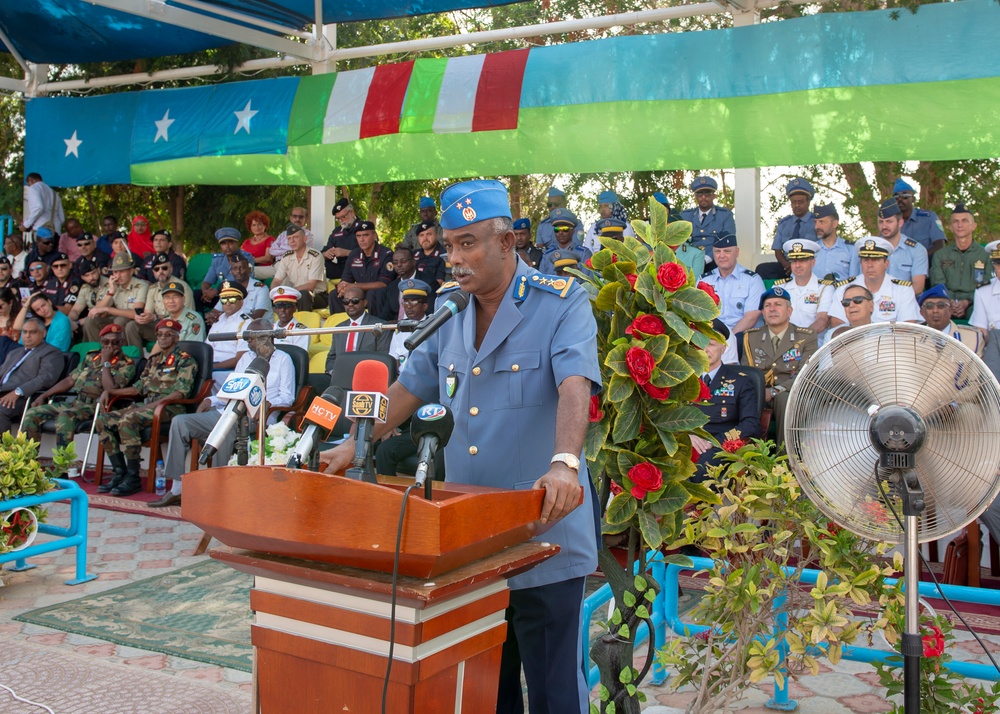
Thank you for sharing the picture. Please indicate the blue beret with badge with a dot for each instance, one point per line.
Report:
(522, 224)
(607, 197)
(555, 192)
(938, 291)
(727, 240)
(661, 197)
(825, 211)
(227, 233)
(799, 185)
(888, 208)
(704, 183)
(774, 292)
(902, 186)
(468, 202)
(414, 288)
(426, 202)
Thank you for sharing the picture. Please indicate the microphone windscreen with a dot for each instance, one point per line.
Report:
(260, 366)
(371, 376)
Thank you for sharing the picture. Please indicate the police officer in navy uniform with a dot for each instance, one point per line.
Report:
(517, 367)
(87, 245)
(732, 404)
(529, 253)
(922, 226)
(797, 225)
(342, 240)
(369, 266)
(708, 221)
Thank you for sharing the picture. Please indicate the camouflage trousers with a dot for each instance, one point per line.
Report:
(121, 430)
(66, 416)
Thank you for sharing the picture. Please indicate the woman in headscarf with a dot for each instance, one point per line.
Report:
(140, 239)
(608, 206)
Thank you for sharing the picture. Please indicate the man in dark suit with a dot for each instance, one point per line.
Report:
(731, 407)
(355, 304)
(31, 368)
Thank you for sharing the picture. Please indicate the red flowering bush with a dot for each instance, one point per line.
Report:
(660, 393)
(647, 325)
(709, 290)
(733, 445)
(595, 409)
(631, 278)
(645, 478)
(704, 393)
(672, 276)
(640, 364)
(933, 641)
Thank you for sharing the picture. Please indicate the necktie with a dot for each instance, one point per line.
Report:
(14, 368)
(707, 379)
(703, 217)
(798, 227)
(774, 342)
(352, 339)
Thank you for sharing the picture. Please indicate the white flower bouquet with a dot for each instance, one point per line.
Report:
(278, 446)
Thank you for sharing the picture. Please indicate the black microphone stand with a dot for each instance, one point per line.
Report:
(242, 448)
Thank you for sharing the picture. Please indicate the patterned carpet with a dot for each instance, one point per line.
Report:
(200, 612)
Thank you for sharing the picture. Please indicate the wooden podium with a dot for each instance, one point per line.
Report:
(321, 548)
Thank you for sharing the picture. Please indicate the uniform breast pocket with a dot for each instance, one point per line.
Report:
(738, 297)
(518, 380)
(452, 374)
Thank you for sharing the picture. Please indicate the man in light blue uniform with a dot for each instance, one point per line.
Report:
(739, 289)
(545, 237)
(908, 260)
(220, 270)
(833, 261)
(566, 238)
(708, 221)
(922, 226)
(799, 224)
(517, 368)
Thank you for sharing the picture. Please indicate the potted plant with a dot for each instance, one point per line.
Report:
(22, 475)
(756, 619)
(653, 321)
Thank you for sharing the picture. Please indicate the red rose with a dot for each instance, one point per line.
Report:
(595, 409)
(733, 445)
(588, 263)
(704, 392)
(645, 478)
(647, 325)
(671, 276)
(615, 488)
(632, 277)
(710, 290)
(933, 641)
(640, 364)
(660, 393)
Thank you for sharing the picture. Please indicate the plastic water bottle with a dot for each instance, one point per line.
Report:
(161, 479)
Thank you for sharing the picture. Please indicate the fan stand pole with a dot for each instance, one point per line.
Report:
(912, 647)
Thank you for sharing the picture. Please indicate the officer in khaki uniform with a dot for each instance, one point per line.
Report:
(779, 349)
(124, 299)
(303, 269)
(169, 374)
(104, 369)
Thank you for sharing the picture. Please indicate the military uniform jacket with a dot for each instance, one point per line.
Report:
(733, 404)
(89, 295)
(374, 268)
(808, 300)
(258, 298)
(102, 259)
(545, 234)
(691, 257)
(341, 237)
(894, 300)
(220, 269)
(432, 268)
(718, 221)
(968, 336)
(534, 256)
(87, 377)
(782, 364)
(128, 297)
(962, 271)
(785, 230)
(165, 373)
(228, 349)
(908, 259)
(738, 292)
(547, 265)
(293, 272)
(505, 395)
(836, 260)
(924, 227)
(986, 306)
(154, 299)
(410, 239)
(296, 340)
(178, 264)
(192, 326)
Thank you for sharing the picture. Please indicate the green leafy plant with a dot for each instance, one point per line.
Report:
(761, 538)
(941, 690)
(653, 321)
(22, 475)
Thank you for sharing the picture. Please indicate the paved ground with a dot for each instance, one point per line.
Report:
(110, 678)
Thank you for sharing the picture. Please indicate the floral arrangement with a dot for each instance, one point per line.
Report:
(22, 475)
(653, 322)
(278, 446)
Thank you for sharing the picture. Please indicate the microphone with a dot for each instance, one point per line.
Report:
(244, 391)
(430, 429)
(366, 403)
(455, 303)
(322, 417)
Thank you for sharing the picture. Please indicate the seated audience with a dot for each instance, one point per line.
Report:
(124, 299)
(140, 240)
(174, 296)
(232, 319)
(163, 242)
(221, 267)
(811, 297)
(935, 307)
(286, 301)
(256, 302)
(963, 264)
(58, 330)
(260, 240)
(858, 305)
(89, 253)
(893, 299)
(303, 269)
(93, 287)
(368, 266)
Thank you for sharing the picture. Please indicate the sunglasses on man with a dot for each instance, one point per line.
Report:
(856, 300)
(351, 301)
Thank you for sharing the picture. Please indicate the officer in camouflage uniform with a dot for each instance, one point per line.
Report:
(100, 370)
(168, 375)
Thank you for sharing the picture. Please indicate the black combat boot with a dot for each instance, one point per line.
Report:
(132, 483)
(118, 475)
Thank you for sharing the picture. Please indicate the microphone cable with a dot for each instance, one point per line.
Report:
(395, 578)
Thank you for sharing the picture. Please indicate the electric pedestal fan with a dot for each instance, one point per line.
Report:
(897, 420)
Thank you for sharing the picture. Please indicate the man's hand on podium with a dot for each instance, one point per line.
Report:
(562, 492)
(340, 457)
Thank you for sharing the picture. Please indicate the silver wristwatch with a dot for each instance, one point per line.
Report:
(571, 460)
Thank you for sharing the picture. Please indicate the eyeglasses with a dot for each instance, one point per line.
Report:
(110, 342)
(298, 215)
(33, 268)
(158, 268)
(856, 300)
(551, 204)
(350, 301)
(943, 305)
(230, 300)
(415, 300)
(60, 265)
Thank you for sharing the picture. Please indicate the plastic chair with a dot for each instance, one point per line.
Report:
(82, 348)
(198, 267)
(317, 363)
(331, 321)
(132, 351)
